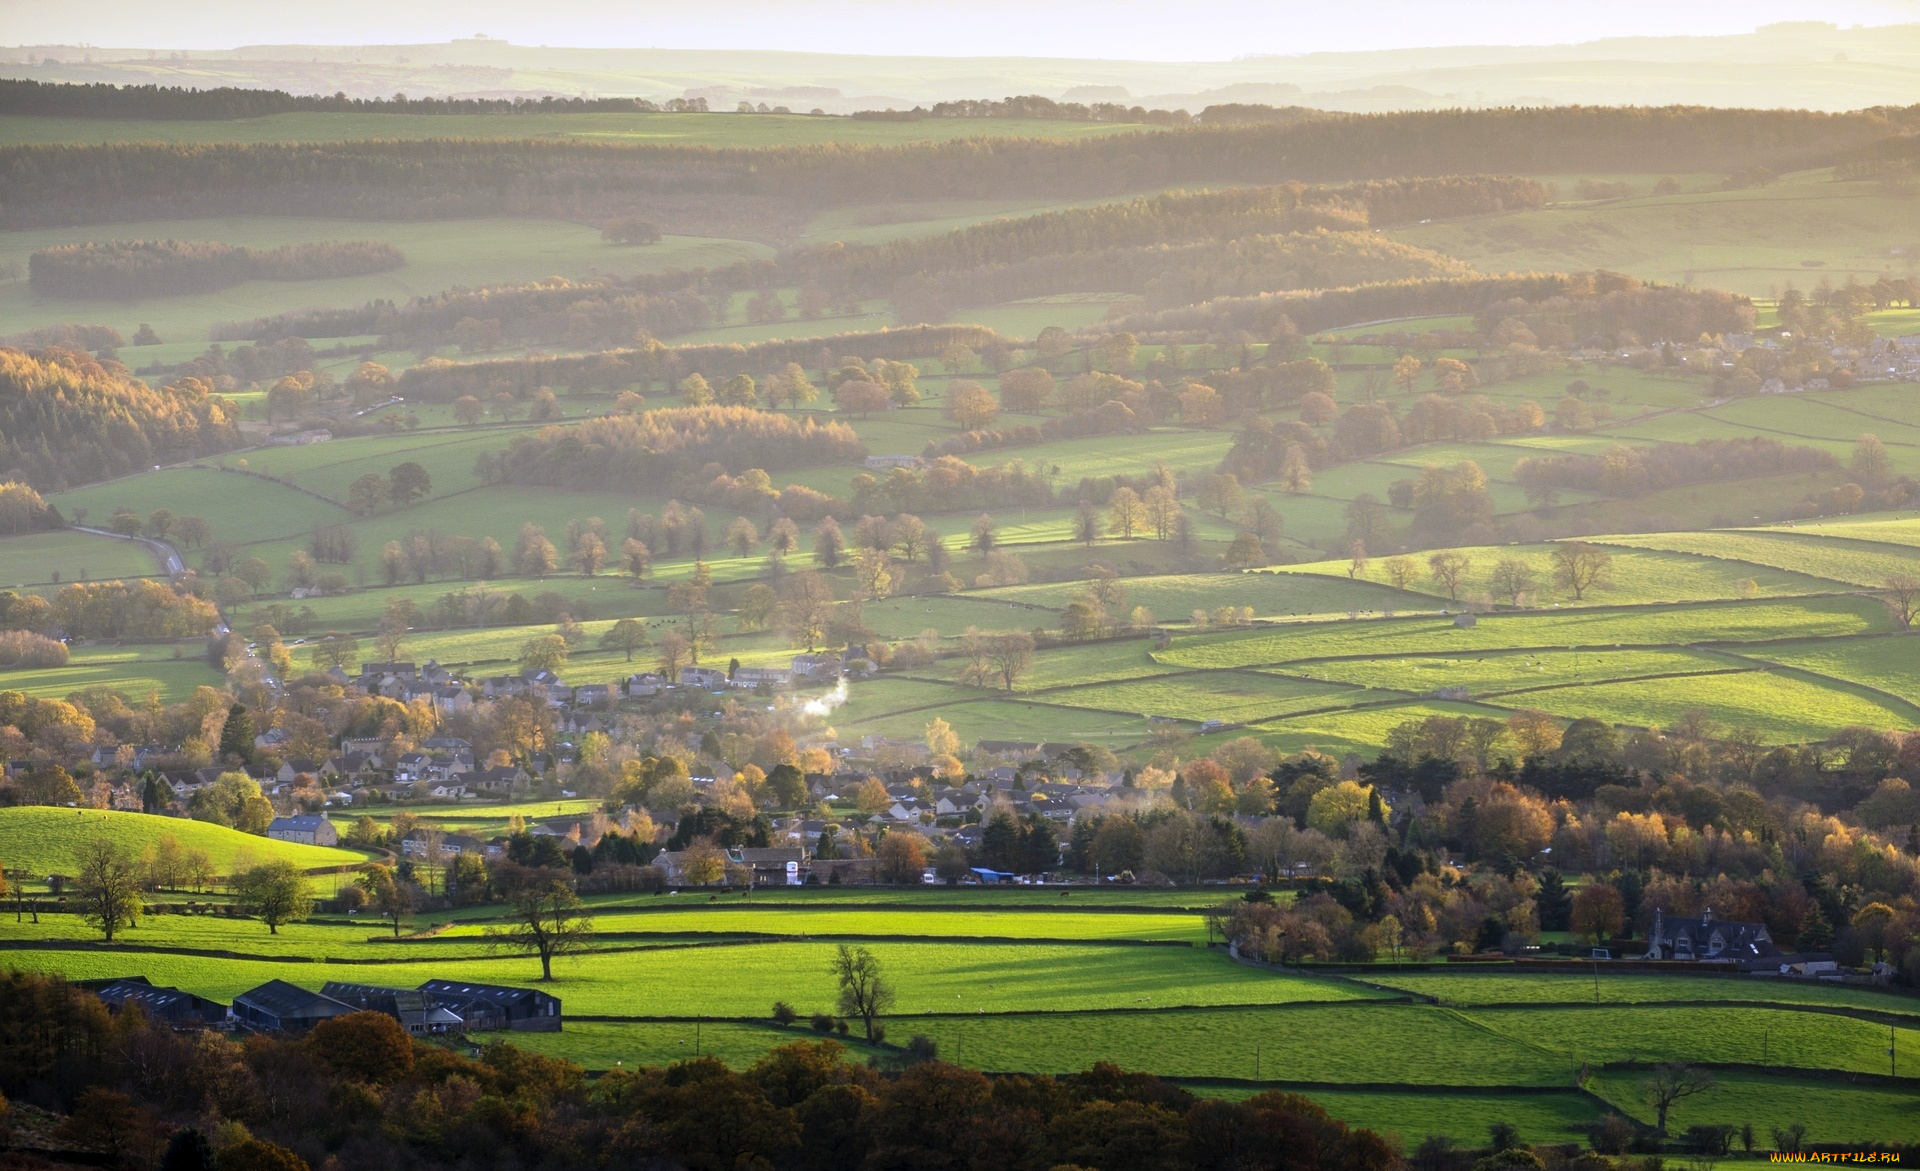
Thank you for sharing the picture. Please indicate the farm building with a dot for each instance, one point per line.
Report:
(309, 830)
(280, 1007)
(1706, 938)
(525, 1010)
(167, 1005)
(415, 1011)
(705, 678)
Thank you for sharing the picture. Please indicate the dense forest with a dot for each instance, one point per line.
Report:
(67, 418)
(129, 269)
(675, 185)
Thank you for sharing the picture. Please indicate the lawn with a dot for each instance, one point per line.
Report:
(838, 921)
(44, 840)
(42, 562)
(1780, 708)
(1236, 697)
(743, 980)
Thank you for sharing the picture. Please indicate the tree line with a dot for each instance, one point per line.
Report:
(651, 450)
(442, 178)
(222, 103)
(130, 269)
(1583, 304)
(356, 1089)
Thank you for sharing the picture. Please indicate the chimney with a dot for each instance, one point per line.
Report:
(1706, 916)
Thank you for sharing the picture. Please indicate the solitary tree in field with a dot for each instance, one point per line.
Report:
(275, 891)
(546, 918)
(108, 887)
(1902, 598)
(1670, 1084)
(1579, 567)
(864, 991)
(407, 483)
(628, 634)
(366, 494)
(387, 894)
(1449, 569)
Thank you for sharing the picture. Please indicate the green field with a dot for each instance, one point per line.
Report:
(43, 840)
(43, 562)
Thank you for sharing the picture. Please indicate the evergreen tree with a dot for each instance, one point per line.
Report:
(1552, 901)
(236, 735)
(188, 1150)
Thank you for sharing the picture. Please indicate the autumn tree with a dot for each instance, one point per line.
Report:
(901, 858)
(971, 406)
(1126, 513)
(1598, 912)
(390, 896)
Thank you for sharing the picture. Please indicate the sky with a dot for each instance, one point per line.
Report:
(1156, 30)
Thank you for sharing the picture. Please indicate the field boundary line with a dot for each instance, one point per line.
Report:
(1809, 673)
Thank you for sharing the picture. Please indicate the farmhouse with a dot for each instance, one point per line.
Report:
(705, 678)
(168, 1005)
(1706, 938)
(521, 1009)
(280, 1007)
(309, 830)
(412, 1008)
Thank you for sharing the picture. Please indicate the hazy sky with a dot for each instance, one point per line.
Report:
(1139, 29)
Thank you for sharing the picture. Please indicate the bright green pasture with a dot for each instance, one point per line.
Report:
(1834, 1111)
(1233, 696)
(600, 1046)
(1466, 1117)
(327, 468)
(1326, 1043)
(1704, 1035)
(1189, 452)
(1361, 731)
(1851, 562)
(1272, 594)
(1891, 664)
(1483, 675)
(1779, 708)
(441, 254)
(940, 899)
(42, 562)
(1881, 530)
(124, 669)
(738, 919)
(1007, 719)
(301, 942)
(743, 980)
(1730, 622)
(714, 129)
(235, 507)
(45, 840)
(1831, 417)
(461, 817)
(1635, 576)
(1462, 989)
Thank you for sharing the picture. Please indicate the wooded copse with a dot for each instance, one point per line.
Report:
(130, 269)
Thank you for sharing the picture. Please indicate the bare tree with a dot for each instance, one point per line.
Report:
(1449, 569)
(1579, 567)
(864, 991)
(1512, 578)
(1902, 598)
(1669, 1084)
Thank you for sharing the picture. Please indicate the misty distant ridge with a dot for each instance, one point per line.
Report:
(1822, 65)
